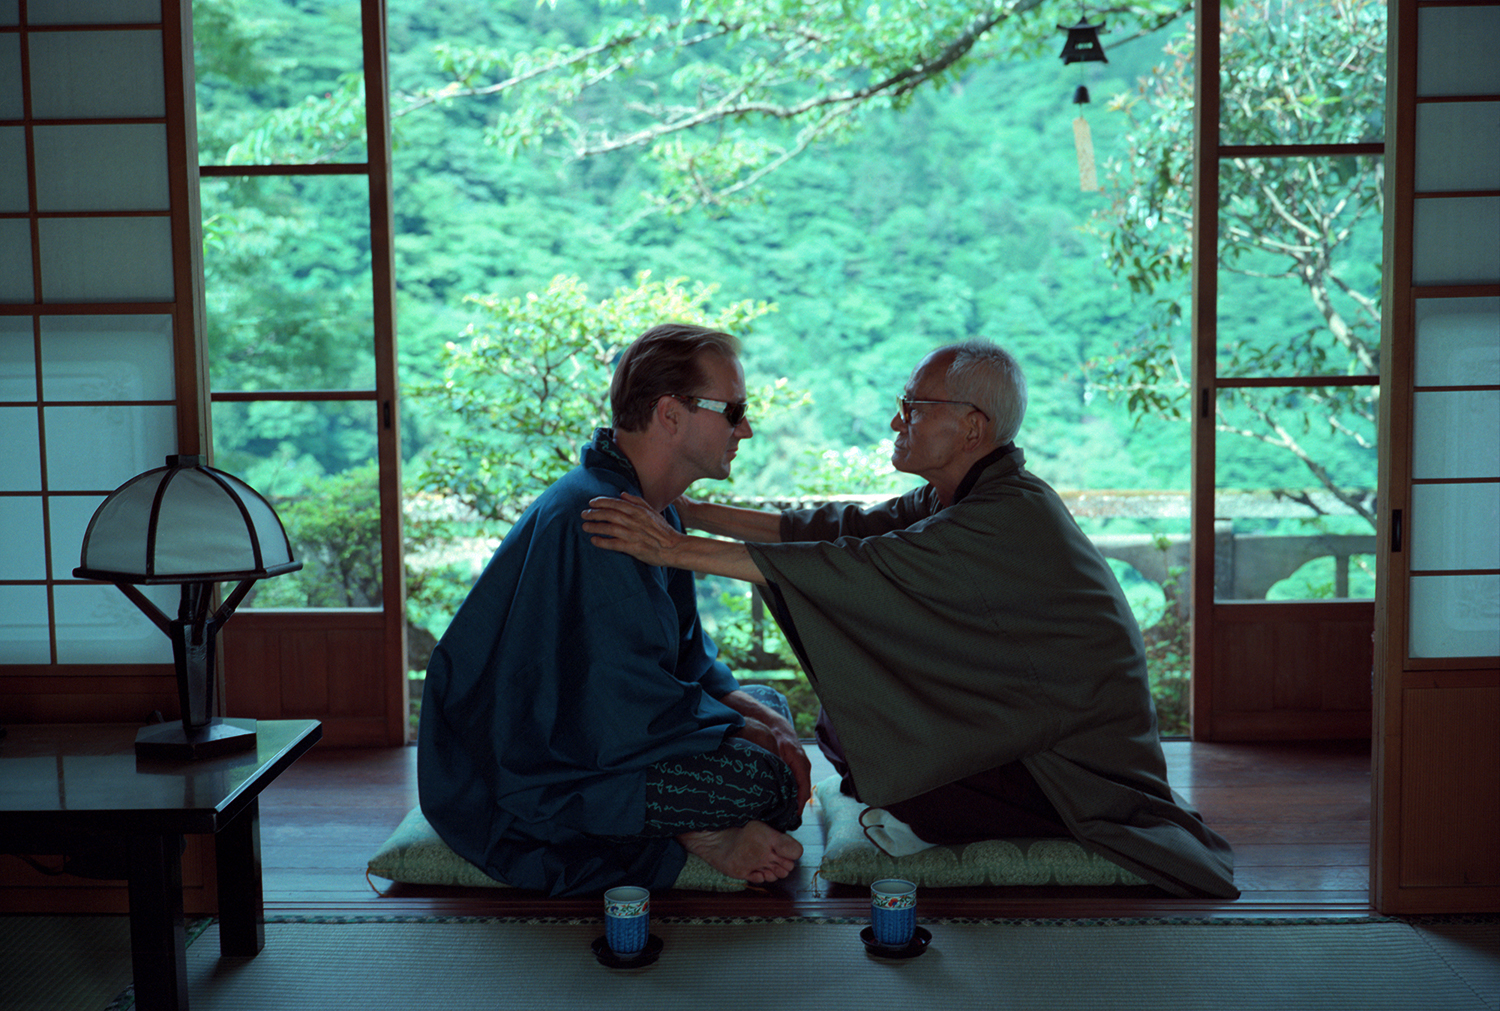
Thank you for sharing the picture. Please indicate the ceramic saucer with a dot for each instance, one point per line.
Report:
(918, 944)
(650, 953)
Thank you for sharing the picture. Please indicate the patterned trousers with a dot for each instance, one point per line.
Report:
(725, 788)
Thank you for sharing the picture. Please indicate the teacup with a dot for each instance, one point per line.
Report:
(893, 912)
(627, 919)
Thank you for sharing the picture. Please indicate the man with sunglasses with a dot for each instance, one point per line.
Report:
(980, 671)
(577, 730)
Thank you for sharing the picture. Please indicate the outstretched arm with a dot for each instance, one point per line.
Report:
(629, 525)
(760, 525)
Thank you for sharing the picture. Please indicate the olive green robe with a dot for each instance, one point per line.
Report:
(946, 641)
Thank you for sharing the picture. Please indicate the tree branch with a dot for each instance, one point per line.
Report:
(1284, 440)
(895, 85)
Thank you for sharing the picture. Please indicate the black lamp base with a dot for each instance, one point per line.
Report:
(217, 737)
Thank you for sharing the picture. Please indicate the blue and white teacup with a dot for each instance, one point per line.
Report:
(893, 912)
(627, 919)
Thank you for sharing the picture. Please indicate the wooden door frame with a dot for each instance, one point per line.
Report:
(1330, 628)
(1435, 783)
(279, 663)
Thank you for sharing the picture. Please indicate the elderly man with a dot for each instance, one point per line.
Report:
(980, 671)
(577, 731)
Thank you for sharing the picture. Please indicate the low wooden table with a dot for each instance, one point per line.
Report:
(77, 780)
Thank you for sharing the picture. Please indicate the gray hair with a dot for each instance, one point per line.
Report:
(986, 375)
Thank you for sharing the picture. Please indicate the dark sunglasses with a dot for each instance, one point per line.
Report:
(733, 413)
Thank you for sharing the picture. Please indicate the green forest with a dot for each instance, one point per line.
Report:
(951, 210)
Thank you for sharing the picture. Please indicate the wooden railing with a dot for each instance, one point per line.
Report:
(1246, 566)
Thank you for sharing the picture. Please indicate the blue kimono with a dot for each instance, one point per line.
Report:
(567, 672)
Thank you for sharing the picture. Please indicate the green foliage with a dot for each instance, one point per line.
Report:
(1169, 660)
(938, 205)
(333, 523)
(530, 382)
(287, 272)
(319, 128)
(334, 527)
(278, 81)
(226, 41)
(720, 94)
(1292, 73)
(846, 473)
(1318, 580)
(953, 217)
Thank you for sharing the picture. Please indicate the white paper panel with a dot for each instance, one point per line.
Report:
(21, 548)
(20, 453)
(14, 197)
(97, 623)
(11, 106)
(1455, 616)
(17, 359)
(1456, 433)
(1455, 526)
(1458, 341)
(23, 625)
(1458, 146)
(69, 517)
(107, 358)
(1456, 240)
(96, 75)
(1444, 31)
(68, 160)
(106, 260)
(93, 12)
(10, 12)
(121, 441)
(15, 261)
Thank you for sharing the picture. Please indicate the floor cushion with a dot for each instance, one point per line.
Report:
(416, 855)
(850, 858)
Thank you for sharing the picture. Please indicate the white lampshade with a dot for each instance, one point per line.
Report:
(184, 522)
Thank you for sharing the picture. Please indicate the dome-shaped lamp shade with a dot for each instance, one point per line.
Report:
(182, 522)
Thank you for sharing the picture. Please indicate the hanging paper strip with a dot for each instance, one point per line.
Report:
(1088, 179)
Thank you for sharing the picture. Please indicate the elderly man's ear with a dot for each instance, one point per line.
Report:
(975, 434)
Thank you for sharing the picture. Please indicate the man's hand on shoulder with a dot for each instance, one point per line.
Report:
(630, 525)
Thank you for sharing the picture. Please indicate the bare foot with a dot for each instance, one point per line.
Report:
(755, 852)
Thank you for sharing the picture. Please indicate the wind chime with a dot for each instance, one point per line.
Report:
(1083, 47)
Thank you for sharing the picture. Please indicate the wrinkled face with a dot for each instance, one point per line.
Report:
(710, 442)
(931, 440)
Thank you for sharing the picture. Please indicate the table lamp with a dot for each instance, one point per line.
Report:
(187, 523)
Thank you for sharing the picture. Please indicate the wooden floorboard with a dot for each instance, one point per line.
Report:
(1297, 814)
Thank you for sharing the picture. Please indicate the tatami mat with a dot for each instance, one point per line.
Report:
(82, 963)
(63, 963)
(489, 965)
